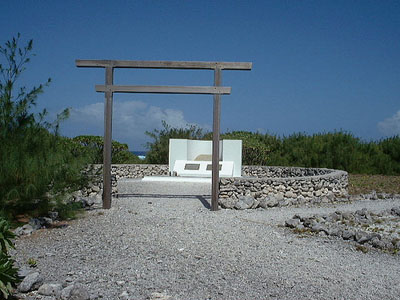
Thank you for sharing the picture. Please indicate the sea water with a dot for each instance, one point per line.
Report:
(140, 154)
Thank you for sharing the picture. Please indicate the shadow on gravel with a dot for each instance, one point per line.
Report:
(203, 200)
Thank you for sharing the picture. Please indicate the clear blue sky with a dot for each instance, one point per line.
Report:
(318, 66)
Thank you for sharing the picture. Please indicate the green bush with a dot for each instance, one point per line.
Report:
(159, 147)
(254, 150)
(126, 157)
(94, 145)
(335, 150)
(6, 236)
(37, 166)
(8, 274)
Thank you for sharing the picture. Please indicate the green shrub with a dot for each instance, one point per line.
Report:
(8, 274)
(338, 150)
(254, 150)
(126, 157)
(67, 211)
(159, 147)
(94, 145)
(37, 166)
(6, 236)
(334, 150)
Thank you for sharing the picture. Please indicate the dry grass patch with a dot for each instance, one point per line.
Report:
(363, 184)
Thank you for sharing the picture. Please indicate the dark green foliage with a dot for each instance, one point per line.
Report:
(391, 148)
(336, 150)
(37, 166)
(158, 149)
(254, 149)
(8, 274)
(126, 157)
(93, 146)
(70, 210)
(6, 236)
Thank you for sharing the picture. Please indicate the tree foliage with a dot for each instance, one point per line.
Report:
(336, 150)
(94, 145)
(159, 147)
(254, 149)
(37, 166)
(8, 273)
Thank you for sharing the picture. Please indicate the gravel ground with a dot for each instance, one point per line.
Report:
(162, 237)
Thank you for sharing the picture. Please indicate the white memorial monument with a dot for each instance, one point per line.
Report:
(193, 158)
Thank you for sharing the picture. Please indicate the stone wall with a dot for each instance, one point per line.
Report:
(282, 172)
(138, 171)
(290, 184)
(118, 172)
(283, 185)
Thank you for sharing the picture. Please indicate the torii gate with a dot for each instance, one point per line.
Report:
(109, 89)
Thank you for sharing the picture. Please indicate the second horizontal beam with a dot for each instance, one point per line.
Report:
(143, 64)
(214, 90)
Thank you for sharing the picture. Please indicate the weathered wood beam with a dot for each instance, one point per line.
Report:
(213, 90)
(215, 143)
(108, 107)
(92, 63)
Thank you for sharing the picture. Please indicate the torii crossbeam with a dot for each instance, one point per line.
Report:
(109, 89)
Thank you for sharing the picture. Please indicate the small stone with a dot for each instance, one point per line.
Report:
(35, 223)
(283, 203)
(75, 292)
(347, 234)
(347, 215)
(159, 296)
(244, 202)
(87, 201)
(53, 215)
(376, 242)
(269, 201)
(308, 222)
(333, 217)
(396, 210)
(45, 222)
(317, 227)
(95, 189)
(290, 194)
(227, 202)
(396, 244)
(27, 229)
(387, 244)
(318, 193)
(50, 289)
(24, 271)
(31, 282)
(255, 204)
(336, 231)
(362, 237)
(66, 292)
(292, 223)
(373, 195)
(124, 295)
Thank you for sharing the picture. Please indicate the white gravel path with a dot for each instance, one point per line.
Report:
(160, 237)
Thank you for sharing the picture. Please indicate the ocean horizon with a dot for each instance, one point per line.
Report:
(143, 153)
(140, 154)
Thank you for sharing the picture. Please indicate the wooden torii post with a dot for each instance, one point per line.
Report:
(109, 89)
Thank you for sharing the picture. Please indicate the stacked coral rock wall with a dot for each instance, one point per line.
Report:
(118, 172)
(300, 184)
(285, 182)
